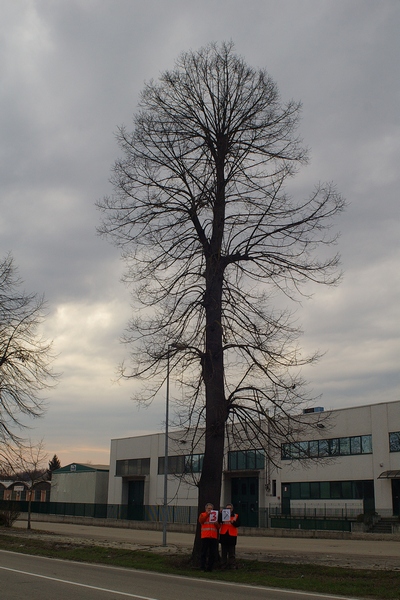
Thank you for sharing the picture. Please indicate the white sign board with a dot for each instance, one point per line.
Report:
(226, 515)
(213, 518)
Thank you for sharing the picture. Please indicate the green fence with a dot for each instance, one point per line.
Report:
(311, 524)
(175, 514)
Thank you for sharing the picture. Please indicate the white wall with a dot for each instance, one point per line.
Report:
(150, 446)
(82, 486)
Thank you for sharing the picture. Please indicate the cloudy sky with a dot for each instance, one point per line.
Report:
(71, 72)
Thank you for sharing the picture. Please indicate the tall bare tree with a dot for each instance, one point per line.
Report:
(25, 357)
(209, 232)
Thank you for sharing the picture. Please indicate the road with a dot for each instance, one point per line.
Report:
(39, 578)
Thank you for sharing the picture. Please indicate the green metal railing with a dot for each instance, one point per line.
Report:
(179, 514)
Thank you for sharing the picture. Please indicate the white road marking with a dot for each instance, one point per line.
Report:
(91, 587)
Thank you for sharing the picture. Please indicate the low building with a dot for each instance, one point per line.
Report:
(351, 466)
(22, 490)
(80, 483)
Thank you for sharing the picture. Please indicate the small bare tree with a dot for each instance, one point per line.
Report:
(25, 461)
(209, 232)
(25, 357)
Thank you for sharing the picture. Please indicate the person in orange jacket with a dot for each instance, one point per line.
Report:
(228, 537)
(209, 537)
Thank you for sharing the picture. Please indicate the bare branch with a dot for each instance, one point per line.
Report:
(25, 357)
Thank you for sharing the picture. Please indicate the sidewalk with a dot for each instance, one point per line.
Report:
(370, 553)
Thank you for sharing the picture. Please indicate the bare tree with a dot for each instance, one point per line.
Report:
(25, 357)
(209, 233)
(27, 462)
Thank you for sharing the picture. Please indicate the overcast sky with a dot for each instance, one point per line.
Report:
(71, 72)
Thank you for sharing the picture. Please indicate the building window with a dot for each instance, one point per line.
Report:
(394, 441)
(355, 445)
(358, 444)
(182, 463)
(246, 460)
(132, 466)
(344, 446)
(194, 463)
(366, 444)
(328, 490)
(323, 448)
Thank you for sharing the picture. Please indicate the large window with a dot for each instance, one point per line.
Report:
(182, 463)
(246, 460)
(357, 444)
(132, 466)
(328, 490)
(394, 441)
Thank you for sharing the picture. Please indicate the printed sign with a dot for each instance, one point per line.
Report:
(213, 516)
(226, 515)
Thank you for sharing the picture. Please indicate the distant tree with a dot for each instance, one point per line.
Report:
(209, 233)
(26, 462)
(54, 464)
(25, 357)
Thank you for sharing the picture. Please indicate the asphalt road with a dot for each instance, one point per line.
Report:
(39, 578)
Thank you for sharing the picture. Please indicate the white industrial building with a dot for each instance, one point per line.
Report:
(352, 463)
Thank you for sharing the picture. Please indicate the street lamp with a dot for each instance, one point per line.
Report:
(174, 346)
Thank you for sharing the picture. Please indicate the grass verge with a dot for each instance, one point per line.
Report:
(307, 578)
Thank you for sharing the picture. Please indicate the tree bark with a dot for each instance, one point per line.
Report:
(213, 361)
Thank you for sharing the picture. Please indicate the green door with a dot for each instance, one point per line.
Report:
(136, 500)
(285, 493)
(396, 496)
(245, 499)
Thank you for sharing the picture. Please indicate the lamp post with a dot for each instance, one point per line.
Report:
(174, 346)
(165, 516)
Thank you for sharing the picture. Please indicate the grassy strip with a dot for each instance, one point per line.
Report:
(308, 578)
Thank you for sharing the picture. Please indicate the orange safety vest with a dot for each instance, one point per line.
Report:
(229, 528)
(208, 529)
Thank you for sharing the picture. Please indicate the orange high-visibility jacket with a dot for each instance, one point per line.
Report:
(229, 528)
(208, 529)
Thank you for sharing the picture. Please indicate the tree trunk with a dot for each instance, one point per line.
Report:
(216, 410)
(29, 511)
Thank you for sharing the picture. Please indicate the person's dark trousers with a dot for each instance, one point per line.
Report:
(208, 553)
(228, 556)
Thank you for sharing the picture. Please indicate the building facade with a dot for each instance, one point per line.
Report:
(353, 463)
(349, 461)
(80, 483)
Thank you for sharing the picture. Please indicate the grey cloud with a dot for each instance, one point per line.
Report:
(72, 72)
